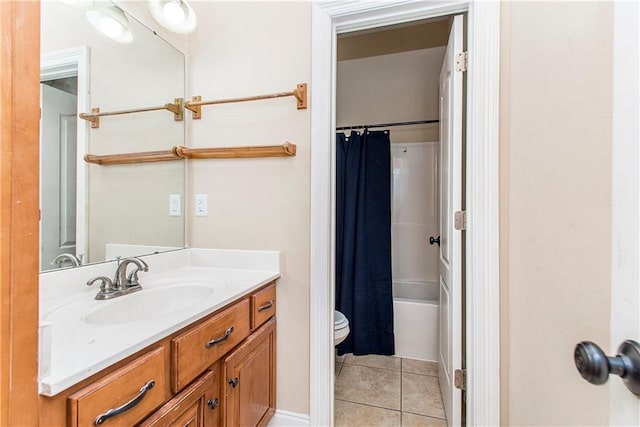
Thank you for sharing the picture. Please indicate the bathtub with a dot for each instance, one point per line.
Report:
(415, 319)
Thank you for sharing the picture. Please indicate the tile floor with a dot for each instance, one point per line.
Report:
(385, 391)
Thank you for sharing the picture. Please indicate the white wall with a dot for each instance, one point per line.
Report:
(398, 87)
(241, 49)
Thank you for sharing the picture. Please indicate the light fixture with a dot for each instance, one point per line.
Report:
(112, 22)
(80, 4)
(175, 15)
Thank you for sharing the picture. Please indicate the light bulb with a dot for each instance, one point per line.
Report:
(175, 15)
(173, 12)
(110, 27)
(111, 22)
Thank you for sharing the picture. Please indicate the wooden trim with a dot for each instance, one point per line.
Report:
(299, 92)
(288, 149)
(322, 300)
(130, 158)
(19, 190)
(483, 230)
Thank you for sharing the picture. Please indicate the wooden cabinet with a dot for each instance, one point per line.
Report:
(200, 346)
(249, 379)
(263, 306)
(198, 405)
(124, 397)
(219, 370)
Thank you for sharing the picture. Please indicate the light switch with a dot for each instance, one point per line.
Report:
(175, 205)
(201, 205)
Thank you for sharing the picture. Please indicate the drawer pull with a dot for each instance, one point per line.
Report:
(213, 403)
(226, 336)
(266, 306)
(130, 404)
(234, 382)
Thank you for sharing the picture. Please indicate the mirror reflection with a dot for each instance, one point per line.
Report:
(92, 213)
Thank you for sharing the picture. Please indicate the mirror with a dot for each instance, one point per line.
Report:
(94, 213)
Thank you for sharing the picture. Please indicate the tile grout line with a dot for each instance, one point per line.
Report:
(392, 370)
(435, 417)
(442, 397)
(370, 406)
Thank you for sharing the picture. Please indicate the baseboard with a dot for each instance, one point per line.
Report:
(289, 419)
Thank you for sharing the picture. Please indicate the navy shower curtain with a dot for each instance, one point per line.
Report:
(363, 241)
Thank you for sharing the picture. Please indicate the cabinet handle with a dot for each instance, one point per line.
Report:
(266, 306)
(215, 341)
(130, 404)
(234, 382)
(213, 403)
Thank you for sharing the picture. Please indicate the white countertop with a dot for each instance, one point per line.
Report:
(72, 348)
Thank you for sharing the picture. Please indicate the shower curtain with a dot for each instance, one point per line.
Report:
(363, 241)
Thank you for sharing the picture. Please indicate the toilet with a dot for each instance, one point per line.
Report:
(340, 327)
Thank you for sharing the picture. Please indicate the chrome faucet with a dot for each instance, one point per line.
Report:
(121, 283)
(70, 258)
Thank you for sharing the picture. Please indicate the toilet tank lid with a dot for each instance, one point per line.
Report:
(339, 318)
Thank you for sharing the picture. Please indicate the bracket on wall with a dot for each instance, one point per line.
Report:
(299, 92)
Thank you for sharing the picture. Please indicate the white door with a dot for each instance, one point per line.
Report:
(57, 175)
(625, 200)
(450, 238)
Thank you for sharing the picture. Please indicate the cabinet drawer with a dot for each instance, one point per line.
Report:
(195, 350)
(263, 306)
(197, 405)
(123, 397)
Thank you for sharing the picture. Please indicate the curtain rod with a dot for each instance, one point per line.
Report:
(385, 125)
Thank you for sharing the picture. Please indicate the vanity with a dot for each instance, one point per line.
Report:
(196, 346)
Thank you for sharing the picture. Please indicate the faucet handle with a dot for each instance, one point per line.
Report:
(106, 284)
(132, 279)
(139, 265)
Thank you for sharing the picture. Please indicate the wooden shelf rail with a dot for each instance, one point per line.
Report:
(130, 158)
(176, 107)
(196, 103)
(287, 149)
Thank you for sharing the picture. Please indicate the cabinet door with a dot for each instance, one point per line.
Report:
(250, 380)
(196, 406)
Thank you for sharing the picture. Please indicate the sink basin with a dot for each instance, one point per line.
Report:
(148, 304)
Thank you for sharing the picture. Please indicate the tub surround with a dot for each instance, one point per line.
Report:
(72, 349)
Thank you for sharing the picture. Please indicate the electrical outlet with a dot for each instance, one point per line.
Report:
(201, 205)
(175, 205)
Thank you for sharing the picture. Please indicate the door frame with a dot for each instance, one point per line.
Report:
(57, 65)
(624, 408)
(482, 235)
